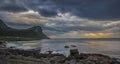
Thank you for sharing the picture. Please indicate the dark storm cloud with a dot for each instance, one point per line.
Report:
(63, 29)
(47, 13)
(11, 6)
(92, 9)
(44, 7)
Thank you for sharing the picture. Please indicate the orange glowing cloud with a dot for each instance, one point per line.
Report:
(98, 35)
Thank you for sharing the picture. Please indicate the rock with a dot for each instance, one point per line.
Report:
(83, 56)
(2, 44)
(66, 46)
(91, 58)
(73, 45)
(50, 52)
(115, 61)
(3, 61)
(15, 56)
(12, 47)
(52, 61)
(37, 50)
(74, 54)
(71, 62)
(96, 58)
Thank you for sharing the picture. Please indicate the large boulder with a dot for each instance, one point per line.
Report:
(2, 44)
(74, 54)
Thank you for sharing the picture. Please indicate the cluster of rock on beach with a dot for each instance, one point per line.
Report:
(18, 56)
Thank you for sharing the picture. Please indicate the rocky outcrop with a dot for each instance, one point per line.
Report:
(2, 44)
(17, 56)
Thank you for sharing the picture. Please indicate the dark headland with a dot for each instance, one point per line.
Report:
(33, 33)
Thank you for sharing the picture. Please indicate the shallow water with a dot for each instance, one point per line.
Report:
(111, 48)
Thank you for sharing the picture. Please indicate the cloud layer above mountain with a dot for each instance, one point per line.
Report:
(65, 18)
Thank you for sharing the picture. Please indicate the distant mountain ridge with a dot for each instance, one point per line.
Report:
(33, 32)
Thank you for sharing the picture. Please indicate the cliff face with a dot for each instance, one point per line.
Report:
(33, 32)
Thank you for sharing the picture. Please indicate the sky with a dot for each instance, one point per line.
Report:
(65, 18)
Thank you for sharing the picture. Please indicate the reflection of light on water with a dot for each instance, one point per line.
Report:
(24, 44)
(30, 44)
(94, 44)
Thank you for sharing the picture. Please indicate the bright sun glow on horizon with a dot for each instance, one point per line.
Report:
(98, 35)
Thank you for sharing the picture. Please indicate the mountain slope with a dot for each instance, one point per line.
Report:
(33, 32)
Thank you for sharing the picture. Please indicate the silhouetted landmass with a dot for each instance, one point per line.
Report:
(7, 33)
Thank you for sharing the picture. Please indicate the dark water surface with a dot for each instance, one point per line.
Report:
(111, 48)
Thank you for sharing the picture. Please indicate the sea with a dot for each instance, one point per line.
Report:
(99, 46)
